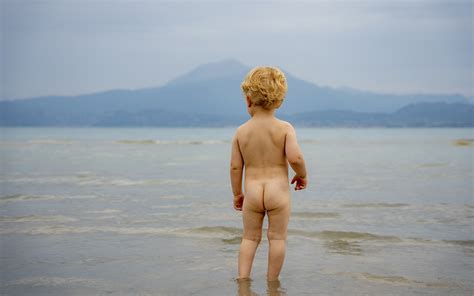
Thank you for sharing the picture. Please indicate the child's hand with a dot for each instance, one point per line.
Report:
(301, 182)
(238, 202)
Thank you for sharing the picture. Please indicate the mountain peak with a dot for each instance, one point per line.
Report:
(223, 65)
(229, 67)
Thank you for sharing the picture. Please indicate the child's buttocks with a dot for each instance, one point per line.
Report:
(266, 194)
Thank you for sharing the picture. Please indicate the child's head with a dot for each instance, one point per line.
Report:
(265, 86)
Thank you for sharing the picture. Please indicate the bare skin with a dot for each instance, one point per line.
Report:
(264, 145)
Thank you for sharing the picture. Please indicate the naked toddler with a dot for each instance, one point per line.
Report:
(264, 145)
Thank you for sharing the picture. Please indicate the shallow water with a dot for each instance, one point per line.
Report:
(149, 211)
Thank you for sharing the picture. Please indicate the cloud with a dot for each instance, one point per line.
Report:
(68, 47)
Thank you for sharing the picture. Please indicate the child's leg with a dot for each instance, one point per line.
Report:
(277, 228)
(278, 223)
(253, 215)
(250, 240)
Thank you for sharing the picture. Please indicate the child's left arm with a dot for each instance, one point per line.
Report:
(236, 170)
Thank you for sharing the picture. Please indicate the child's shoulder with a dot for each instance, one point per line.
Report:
(282, 125)
(240, 129)
(285, 125)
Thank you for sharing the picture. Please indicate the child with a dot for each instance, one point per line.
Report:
(264, 145)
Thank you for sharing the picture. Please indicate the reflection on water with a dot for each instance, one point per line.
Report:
(343, 247)
(274, 288)
(244, 288)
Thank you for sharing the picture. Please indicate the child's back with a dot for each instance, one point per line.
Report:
(264, 145)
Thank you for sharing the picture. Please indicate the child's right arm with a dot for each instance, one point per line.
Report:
(236, 171)
(295, 159)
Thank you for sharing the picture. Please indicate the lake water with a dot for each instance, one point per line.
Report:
(148, 211)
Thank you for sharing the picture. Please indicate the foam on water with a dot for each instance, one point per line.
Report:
(463, 243)
(124, 141)
(45, 197)
(314, 215)
(62, 229)
(106, 211)
(26, 197)
(402, 280)
(390, 279)
(50, 141)
(344, 235)
(188, 205)
(174, 142)
(43, 281)
(172, 196)
(212, 231)
(218, 231)
(344, 247)
(375, 205)
(94, 180)
(36, 218)
(232, 241)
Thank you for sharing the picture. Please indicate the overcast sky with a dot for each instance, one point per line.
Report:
(74, 47)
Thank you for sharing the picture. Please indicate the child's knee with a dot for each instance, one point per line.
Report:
(256, 237)
(275, 235)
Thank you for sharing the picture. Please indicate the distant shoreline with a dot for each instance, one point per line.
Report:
(235, 126)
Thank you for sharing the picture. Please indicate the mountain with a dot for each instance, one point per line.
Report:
(413, 115)
(208, 95)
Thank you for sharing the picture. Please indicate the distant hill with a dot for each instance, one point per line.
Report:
(210, 95)
(413, 115)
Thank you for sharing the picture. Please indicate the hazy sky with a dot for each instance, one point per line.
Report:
(74, 47)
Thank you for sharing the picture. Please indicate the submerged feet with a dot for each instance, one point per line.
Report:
(276, 257)
(244, 288)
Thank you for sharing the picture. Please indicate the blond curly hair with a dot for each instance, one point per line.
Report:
(266, 87)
